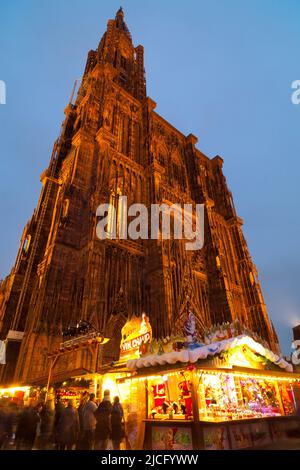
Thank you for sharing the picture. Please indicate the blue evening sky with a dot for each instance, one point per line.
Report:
(221, 69)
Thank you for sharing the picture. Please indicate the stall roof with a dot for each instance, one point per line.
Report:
(203, 352)
(60, 375)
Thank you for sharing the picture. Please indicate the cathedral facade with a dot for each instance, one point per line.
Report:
(112, 144)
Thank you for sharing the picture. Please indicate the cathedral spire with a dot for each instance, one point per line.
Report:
(120, 23)
(117, 49)
(120, 13)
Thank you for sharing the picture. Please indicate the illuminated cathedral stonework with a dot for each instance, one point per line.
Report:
(114, 143)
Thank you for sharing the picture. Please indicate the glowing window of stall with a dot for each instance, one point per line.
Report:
(132, 395)
(109, 383)
(248, 396)
(260, 396)
(169, 395)
(15, 394)
(287, 397)
(217, 396)
(225, 396)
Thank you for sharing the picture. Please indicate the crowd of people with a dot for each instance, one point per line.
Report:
(47, 426)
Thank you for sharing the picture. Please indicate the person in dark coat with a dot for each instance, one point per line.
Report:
(81, 445)
(47, 426)
(68, 427)
(59, 408)
(103, 425)
(27, 427)
(117, 425)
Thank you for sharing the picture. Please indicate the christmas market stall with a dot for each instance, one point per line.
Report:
(20, 395)
(228, 391)
(74, 383)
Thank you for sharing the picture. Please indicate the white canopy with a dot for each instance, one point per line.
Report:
(202, 352)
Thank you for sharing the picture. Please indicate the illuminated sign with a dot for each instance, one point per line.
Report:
(136, 335)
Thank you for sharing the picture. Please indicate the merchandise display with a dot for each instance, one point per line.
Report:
(225, 397)
(169, 396)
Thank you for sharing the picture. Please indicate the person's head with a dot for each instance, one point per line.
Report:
(106, 394)
(92, 396)
(70, 404)
(84, 398)
(116, 400)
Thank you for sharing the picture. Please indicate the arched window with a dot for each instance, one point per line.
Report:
(162, 153)
(65, 210)
(26, 244)
(116, 215)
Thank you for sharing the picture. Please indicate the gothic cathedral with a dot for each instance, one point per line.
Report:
(114, 143)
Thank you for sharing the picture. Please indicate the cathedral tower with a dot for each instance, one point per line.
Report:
(114, 144)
